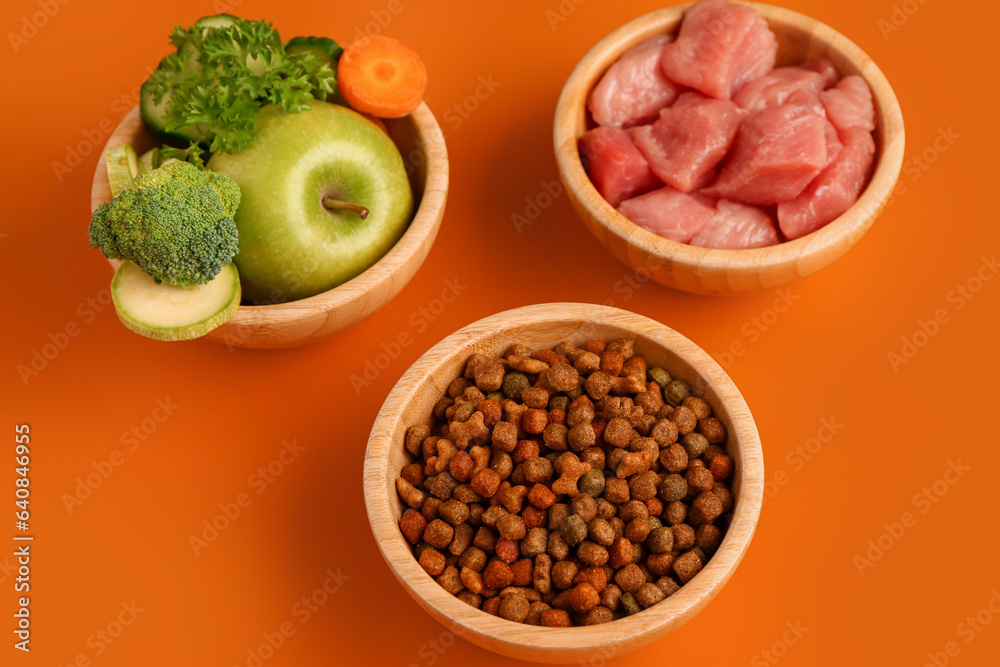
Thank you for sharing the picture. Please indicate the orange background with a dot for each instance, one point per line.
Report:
(825, 358)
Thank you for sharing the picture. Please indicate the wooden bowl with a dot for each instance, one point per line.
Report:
(411, 402)
(308, 320)
(712, 271)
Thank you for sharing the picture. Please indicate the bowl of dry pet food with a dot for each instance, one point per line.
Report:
(564, 481)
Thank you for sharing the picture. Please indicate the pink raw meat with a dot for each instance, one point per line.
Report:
(778, 85)
(616, 167)
(777, 152)
(736, 226)
(833, 143)
(634, 88)
(689, 139)
(669, 213)
(849, 104)
(720, 47)
(834, 191)
(824, 68)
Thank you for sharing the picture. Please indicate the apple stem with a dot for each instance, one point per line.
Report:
(337, 205)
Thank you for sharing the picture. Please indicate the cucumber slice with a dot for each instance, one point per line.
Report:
(165, 312)
(123, 166)
(324, 48)
(207, 23)
(154, 115)
(149, 160)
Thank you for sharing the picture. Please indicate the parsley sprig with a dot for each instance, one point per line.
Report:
(219, 78)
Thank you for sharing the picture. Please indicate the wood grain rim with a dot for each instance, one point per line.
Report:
(314, 318)
(801, 256)
(551, 644)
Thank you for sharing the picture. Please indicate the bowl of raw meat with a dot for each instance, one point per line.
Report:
(722, 147)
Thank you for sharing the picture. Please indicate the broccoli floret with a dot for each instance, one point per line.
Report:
(174, 222)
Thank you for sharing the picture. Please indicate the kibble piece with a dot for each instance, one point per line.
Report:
(432, 561)
(633, 509)
(412, 525)
(454, 512)
(686, 566)
(673, 488)
(668, 585)
(581, 436)
(534, 517)
(513, 384)
(601, 532)
(557, 546)
(713, 429)
(563, 574)
(572, 470)
(660, 564)
(534, 420)
(511, 527)
(585, 507)
(675, 513)
(584, 597)
(557, 513)
(515, 607)
(629, 604)
(492, 605)
(694, 444)
(659, 376)
(708, 537)
(664, 432)
(660, 540)
(538, 470)
(556, 618)
(630, 578)
(643, 485)
(698, 405)
(611, 596)
(562, 377)
(463, 538)
(507, 550)
(706, 508)
(535, 610)
(684, 419)
(485, 539)
(524, 572)
(411, 495)
(721, 466)
(534, 542)
(438, 534)
(648, 595)
(620, 553)
(592, 553)
(619, 432)
(683, 536)
(616, 490)
(451, 581)
(699, 479)
(725, 495)
(486, 482)
(675, 392)
(497, 575)
(573, 529)
(470, 598)
(638, 530)
(543, 573)
(471, 579)
(597, 615)
(441, 485)
(592, 483)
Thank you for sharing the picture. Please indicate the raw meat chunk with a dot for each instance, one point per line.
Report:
(824, 68)
(833, 143)
(776, 153)
(690, 138)
(849, 104)
(669, 213)
(778, 85)
(834, 191)
(616, 167)
(634, 88)
(720, 47)
(736, 225)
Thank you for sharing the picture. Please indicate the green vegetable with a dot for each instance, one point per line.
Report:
(123, 165)
(224, 70)
(149, 160)
(165, 312)
(175, 223)
(324, 48)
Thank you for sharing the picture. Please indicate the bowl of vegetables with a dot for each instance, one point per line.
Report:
(265, 193)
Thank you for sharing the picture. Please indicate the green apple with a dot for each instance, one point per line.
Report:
(324, 196)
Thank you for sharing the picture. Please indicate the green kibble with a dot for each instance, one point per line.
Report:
(673, 488)
(559, 403)
(694, 444)
(573, 529)
(552, 456)
(660, 540)
(513, 384)
(659, 376)
(702, 556)
(628, 602)
(675, 392)
(592, 483)
(497, 396)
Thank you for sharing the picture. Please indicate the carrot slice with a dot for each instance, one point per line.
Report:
(382, 76)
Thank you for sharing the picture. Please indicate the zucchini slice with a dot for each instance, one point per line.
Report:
(168, 313)
(123, 166)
